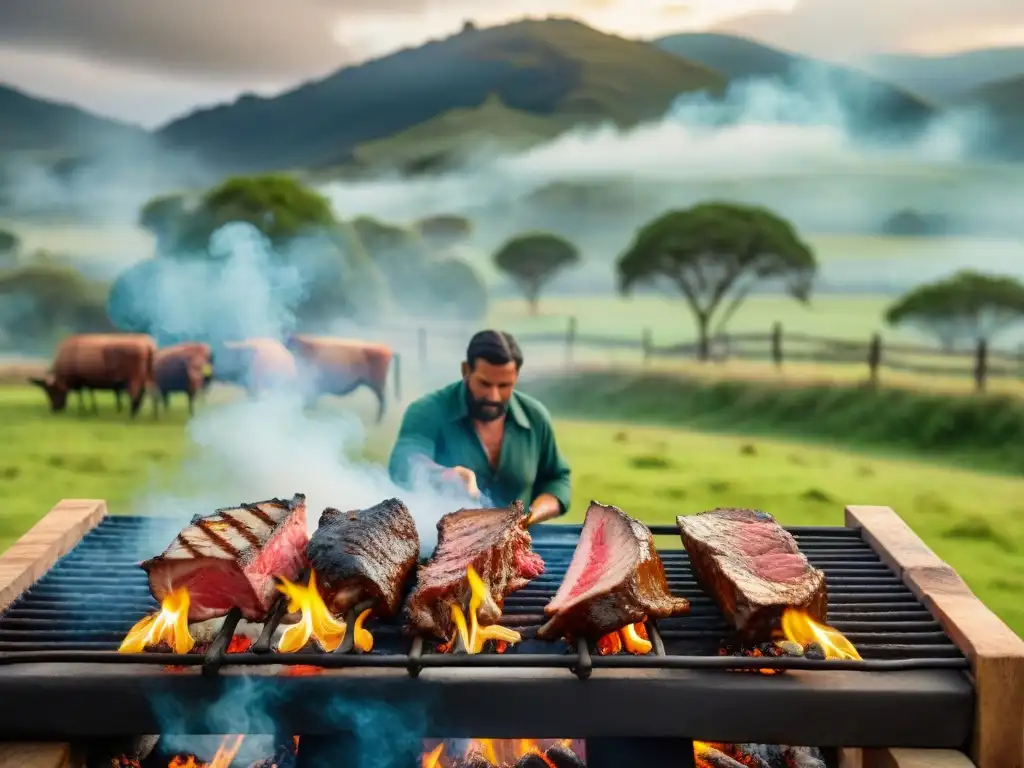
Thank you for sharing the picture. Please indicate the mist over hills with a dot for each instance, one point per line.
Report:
(948, 79)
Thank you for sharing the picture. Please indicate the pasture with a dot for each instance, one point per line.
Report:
(653, 472)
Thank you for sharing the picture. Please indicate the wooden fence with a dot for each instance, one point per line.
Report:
(777, 347)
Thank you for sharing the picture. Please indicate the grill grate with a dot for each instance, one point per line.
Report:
(83, 607)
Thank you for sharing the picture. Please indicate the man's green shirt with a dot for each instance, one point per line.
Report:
(437, 427)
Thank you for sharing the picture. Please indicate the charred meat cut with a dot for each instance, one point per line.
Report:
(615, 578)
(495, 543)
(364, 555)
(232, 557)
(752, 568)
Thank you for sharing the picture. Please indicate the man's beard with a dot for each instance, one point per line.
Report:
(485, 410)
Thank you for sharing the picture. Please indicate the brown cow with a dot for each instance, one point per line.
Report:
(340, 366)
(258, 364)
(107, 361)
(186, 367)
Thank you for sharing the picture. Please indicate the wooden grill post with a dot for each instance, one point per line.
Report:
(996, 653)
(21, 566)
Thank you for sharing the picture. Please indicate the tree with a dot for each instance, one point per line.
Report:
(10, 244)
(39, 301)
(532, 260)
(456, 290)
(715, 254)
(278, 206)
(444, 231)
(965, 308)
(163, 216)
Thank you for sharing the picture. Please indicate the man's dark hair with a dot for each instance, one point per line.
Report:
(494, 347)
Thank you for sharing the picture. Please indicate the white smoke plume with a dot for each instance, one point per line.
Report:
(252, 449)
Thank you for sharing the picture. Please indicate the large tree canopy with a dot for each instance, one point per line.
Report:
(715, 254)
(10, 243)
(444, 230)
(532, 261)
(40, 301)
(279, 206)
(962, 309)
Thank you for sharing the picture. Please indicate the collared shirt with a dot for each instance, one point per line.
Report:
(437, 427)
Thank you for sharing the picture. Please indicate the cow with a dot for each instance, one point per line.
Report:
(100, 361)
(185, 367)
(257, 364)
(340, 366)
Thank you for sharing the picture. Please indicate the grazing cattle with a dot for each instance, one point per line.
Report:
(100, 361)
(186, 367)
(257, 364)
(339, 366)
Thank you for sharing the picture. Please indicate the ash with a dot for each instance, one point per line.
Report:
(776, 756)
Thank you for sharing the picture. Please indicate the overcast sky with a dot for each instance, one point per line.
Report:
(148, 60)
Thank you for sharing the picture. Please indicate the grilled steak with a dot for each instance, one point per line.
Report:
(752, 568)
(230, 558)
(495, 542)
(364, 555)
(615, 579)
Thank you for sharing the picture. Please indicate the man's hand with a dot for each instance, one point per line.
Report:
(466, 477)
(544, 507)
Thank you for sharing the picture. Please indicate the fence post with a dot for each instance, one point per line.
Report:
(874, 358)
(570, 339)
(422, 343)
(981, 365)
(396, 363)
(777, 344)
(647, 345)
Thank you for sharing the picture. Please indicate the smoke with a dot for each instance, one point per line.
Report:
(817, 150)
(270, 446)
(384, 735)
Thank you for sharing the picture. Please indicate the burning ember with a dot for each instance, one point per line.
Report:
(714, 755)
(316, 621)
(632, 638)
(801, 629)
(168, 626)
(505, 753)
(803, 637)
(471, 637)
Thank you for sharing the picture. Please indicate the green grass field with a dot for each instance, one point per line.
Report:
(654, 473)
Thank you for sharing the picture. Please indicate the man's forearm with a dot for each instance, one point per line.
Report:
(544, 507)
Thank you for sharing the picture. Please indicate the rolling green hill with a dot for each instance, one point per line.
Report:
(555, 69)
(31, 124)
(871, 102)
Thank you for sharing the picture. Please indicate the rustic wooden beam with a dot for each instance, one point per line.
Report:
(34, 755)
(996, 653)
(31, 556)
(21, 566)
(915, 758)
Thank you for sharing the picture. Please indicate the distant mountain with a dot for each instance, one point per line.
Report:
(32, 124)
(1003, 104)
(872, 102)
(948, 79)
(557, 69)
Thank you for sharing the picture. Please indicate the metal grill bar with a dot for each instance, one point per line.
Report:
(82, 608)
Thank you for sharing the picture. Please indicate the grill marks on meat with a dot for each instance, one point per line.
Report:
(496, 543)
(753, 569)
(232, 557)
(615, 578)
(364, 555)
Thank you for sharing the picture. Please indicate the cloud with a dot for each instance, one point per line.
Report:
(844, 29)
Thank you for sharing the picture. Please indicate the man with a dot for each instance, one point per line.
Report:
(483, 435)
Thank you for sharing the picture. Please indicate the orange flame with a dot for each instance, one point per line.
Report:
(632, 637)
(169, 625)
(474, 636)
(801, 629)
(497, 752)
(226, 753)
(317, 622)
